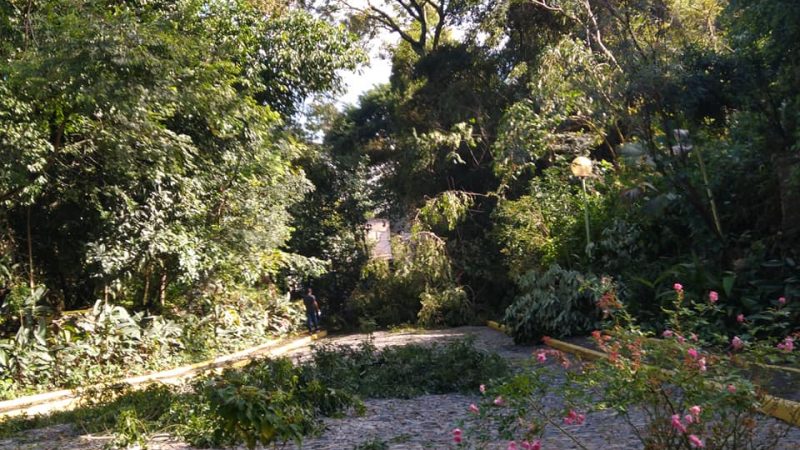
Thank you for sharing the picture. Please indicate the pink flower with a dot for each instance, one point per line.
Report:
(512, 445)
(693, 337)
(681, 339)
(482, 388)
(499, 401)
(678, 287)
(667, 333)
(688, 418)
(713, 296)
(787, 345)
(737, 343)
(541, 357)
(574, 418)
(740, 318)
(457, 435)
(535, 445)
(701, 364)
(782, 300)
(695, 441)
(676, 423)
(692, 352)
(473, 408)
(695, 410)
(731, 388)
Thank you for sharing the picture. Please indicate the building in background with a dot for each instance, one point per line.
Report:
(379, 238)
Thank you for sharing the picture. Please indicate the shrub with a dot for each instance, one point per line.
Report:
(557, 302)
(407, 371)
(418, 284)
(450, 307)
(271, 401)
(673, 392)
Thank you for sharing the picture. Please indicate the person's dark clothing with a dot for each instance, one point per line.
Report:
(312, 320)
(310, 301)
(312, 315)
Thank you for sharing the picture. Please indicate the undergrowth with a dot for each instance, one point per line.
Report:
(272, 401)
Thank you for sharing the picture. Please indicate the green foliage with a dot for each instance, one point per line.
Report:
(109, 342)
(416, 285)
(145, 147)
(407, 371)
(556, 302)
(450, 307)
(446, 210)
(269, 401)
(670, 391)
(272, 401)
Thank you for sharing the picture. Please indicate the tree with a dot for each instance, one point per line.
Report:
(146, 145)
(420, 23)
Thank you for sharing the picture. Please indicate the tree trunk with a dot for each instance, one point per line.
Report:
(146, 292)
(162, 289)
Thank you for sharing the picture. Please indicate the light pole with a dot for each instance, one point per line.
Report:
(581, 167)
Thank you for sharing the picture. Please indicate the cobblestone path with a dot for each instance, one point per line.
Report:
(414, 424)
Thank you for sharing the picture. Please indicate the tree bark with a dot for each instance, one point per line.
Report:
(146, 292)
(162, 288)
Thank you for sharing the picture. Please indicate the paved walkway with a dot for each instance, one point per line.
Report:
(414, 424)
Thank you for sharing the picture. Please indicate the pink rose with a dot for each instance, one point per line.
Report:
(535, 445)
(512, 445)
(457, 435)
(693, 337)
(731, 388)
(482, 388)
(678, 287)
(692, 352)
(667, 333)
(713, 296)
(688, 418)
(737, 343)
(473, 408)
(681, 339)
(676, 423)
(541, 357)
(787, 345)
(574, 418)
(740, 318)
(701, 364)
(695, 410)
(782, 300)
(499, 401)
(695, 441)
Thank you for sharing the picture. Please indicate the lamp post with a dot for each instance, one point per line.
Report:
(581, 167)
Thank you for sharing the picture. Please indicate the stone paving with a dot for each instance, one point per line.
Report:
(397, 424)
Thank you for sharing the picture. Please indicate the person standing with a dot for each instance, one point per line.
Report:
(312, 311)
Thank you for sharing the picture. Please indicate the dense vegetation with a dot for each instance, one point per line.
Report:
(178, 167)
(272, 401)
(149, 158)
(689, 111)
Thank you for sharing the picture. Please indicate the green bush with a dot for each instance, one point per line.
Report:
(557, 302)
(272, 401)
(407, 371)
(417, 285)
(110, 342)
(450, 307)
